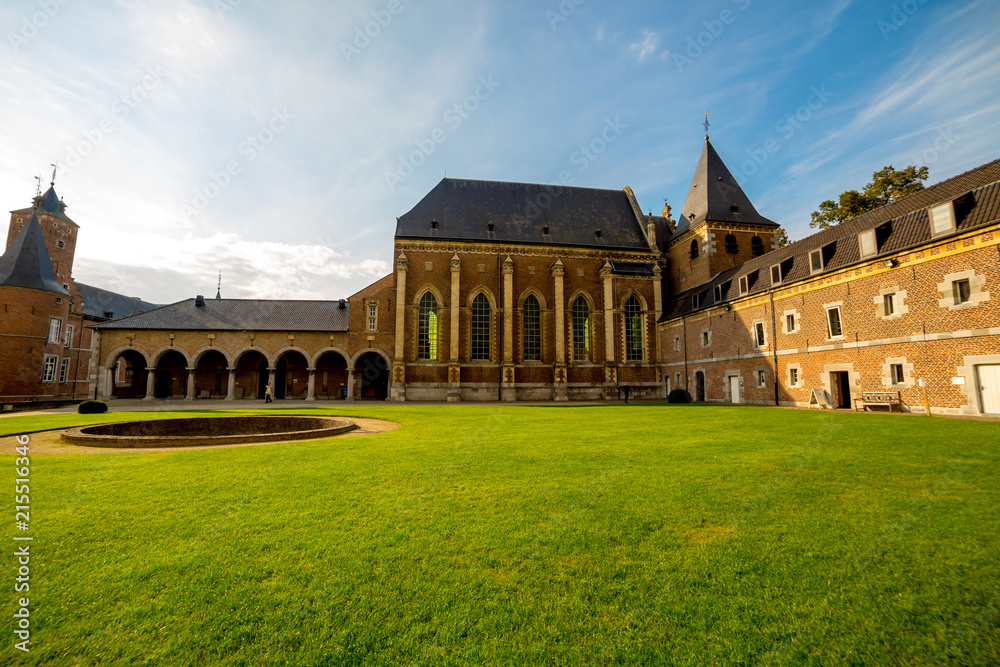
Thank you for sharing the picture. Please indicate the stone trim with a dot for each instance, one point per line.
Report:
(907, 373)
(788, 376)
(898, 303)
(970, 389)
(977, 294)
(784, 322)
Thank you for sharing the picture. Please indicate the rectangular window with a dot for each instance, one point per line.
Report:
(481, 327)
(532, 329)
(866, 243)
(790, 323)
(373, 317)
(49, 368)
(55, 330)
(942, 219)
(776, 274)
(833, 319)
(761, 378)
(744, 285)
(695, 301)
(815, 261)
(64, 370)
(718, 293)
(677, 344)
(581, 330)
(706, 338)
(758, 329)
(962, 291)
(793, 377)
(69, 336)
(888, 304)
(896, 373)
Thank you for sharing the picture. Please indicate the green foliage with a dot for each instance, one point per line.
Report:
(679, 396)
(887, 186)
(523, 535)
(92, 407)
(782, 237)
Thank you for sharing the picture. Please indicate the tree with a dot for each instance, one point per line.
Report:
(782, 236)
(887, 186)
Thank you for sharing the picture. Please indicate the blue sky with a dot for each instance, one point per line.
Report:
(278, 142)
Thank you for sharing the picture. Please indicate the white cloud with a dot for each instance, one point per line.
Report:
(645, 47)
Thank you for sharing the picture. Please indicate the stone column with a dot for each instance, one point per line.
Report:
(311, 393)
(231, 392)
(508, 391)
(454, 366)
(398, 391)
(150, 383)
(190, 385)
(610, 367)
(270, 379)
(559, 392)
(350, 385)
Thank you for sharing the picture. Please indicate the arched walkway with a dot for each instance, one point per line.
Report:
(128, 375)
(211, 376)
(291, 375)
(331, 376)
(251, 376)
(171, 376)
(372, 374)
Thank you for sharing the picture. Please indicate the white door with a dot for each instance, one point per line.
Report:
(734, 388)
(989, 387)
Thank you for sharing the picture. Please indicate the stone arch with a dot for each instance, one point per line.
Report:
(638, 295)
(531, 341)
(171, 374)
(638, 351)
(247, 350)
(331, 373)
(469, 348)
(291, 379)
(586, 335)
(327, 350)
(252, 373)
(535, 292)
(126, 373)
(372, 375)
(196, 356)
(428, 287)
(211, 373)
(155, 357)
(435, 320)
(476, 291)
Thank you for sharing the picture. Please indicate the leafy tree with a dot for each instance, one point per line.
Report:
(887, 186)
(782, 237)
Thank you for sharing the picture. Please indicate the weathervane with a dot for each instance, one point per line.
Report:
(706, 126)
(38, 185)
(55, 166)
(218, 290)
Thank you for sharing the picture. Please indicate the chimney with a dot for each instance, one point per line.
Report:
(199, 301)
(343, 304)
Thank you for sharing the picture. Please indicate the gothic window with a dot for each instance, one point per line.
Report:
(480, 328)
(581, 330)
(427, 328)
(756, 246)
(694, 249)
(732, 246)
(633, 329)
(532, 329)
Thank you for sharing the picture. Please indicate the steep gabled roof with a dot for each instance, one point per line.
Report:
(27, 263)
(97, 303)
(900, 225)
(239, 315)
(50, 204)
(492, 211)
(716, 196)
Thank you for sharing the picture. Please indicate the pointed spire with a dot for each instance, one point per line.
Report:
(706, 126)
(716, 196)
(218, 290)
(27, 262)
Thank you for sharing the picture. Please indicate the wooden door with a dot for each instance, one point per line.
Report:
(989, 388)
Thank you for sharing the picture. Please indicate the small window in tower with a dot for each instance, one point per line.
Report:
(694, 249)
(732, 246)
(756, 246)
(60, 243)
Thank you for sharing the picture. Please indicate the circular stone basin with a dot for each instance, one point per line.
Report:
(190, 431)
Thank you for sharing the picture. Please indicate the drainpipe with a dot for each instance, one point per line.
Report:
(774, 345)
(499, 325)
(685, 346)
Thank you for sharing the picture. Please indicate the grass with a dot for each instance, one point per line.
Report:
(641, 534)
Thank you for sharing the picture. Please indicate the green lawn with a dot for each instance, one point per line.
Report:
(628, 535)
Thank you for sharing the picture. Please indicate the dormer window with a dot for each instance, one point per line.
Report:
(942, 219)
(776, 274)
(718, 293)
(744, 285)
(695, 301)
(434, 224)
(816, 261)
(490, 230)
(545, 230)
(866, 244)
(597, 233)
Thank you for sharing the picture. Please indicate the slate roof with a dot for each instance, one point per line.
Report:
(900, 225)
(26, 262)
(97, 303)
(715, 195)
(521, 212)
(49, 203)
(239, 315)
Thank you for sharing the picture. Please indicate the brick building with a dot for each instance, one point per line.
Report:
(45, 344)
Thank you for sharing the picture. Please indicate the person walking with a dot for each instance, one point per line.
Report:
(625, 390)
(268, 393)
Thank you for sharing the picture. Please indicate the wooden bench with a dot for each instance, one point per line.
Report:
(889, 399)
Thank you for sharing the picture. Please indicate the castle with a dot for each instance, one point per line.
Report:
(527, 292)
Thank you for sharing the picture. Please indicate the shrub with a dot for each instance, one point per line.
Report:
(92, 407)
(679, 396)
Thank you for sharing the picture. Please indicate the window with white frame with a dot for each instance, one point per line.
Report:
(834, 327)
(942, 219)
(815, 261)
(49, 368)
(866, 244)
(68, 342)
(64, 370)
(706, 338)
(888, 304)
(776, 274)
(372, 316)
(695, 301)
(677, 343)
(790, 323)
(794, 375)
(718, 293)
(963, 289)
(55, 330)
(744, 285)
(761, 376)
(758, 334)
(896, 375)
